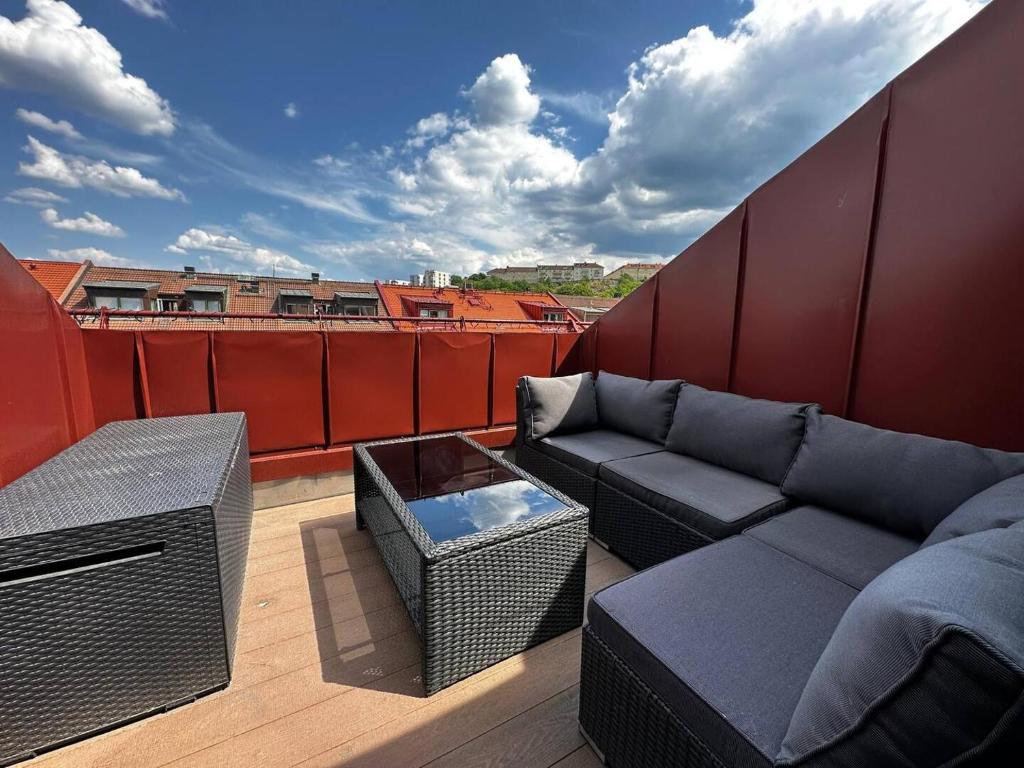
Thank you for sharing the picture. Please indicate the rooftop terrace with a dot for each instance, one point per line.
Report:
(327, 671)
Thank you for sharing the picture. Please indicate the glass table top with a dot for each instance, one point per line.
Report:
(454, 490)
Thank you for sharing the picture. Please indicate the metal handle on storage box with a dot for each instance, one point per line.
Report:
(81, 564)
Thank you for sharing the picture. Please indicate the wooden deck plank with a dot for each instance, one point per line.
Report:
(583, 757)
(536, 738)
(327, 672)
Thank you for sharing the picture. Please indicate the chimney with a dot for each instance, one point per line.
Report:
(316, 277)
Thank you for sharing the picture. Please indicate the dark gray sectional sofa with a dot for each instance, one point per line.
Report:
(860, 600)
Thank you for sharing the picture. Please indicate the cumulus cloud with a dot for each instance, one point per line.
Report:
(34, 196)
(89, 223)
(75, 171)
(95, 255)
(244, 254)
(702, 120)
(290, 110)
(153, 9)
(427, 129)
(502, 96)
(51, 51)
(39, 120)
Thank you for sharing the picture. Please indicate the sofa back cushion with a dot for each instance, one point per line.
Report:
(926, 664)
(905, 483)
(756, 437)
(1000, 506)
(636, 406)
(558, 405)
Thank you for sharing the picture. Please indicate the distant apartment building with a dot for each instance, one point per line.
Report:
(431, 278)
(434, 279)
(636, 271)
(554, 273)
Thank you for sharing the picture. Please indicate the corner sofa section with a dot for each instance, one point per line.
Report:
(665, 467)
(878, 621)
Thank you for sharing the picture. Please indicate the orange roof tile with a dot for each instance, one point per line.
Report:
(54, 276)
(477, 307)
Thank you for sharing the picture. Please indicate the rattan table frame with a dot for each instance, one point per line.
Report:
(481, 598)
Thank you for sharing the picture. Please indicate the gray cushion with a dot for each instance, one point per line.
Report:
(845, 548)
(636, 406)
(756, 437)
(586, 451)
(925, 662)
(906, 483)
(725, 636)
(712, 500)
(560, 404)
(1000, 506)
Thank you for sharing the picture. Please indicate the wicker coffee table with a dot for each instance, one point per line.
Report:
(488, 560)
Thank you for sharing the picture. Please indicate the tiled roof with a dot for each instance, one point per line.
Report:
(476, 306)
(54, 276)
(263, 301)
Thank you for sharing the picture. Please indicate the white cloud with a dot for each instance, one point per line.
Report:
(51, 51)
(75, 171)
(502, 96)
(291, 110)
(96, 255)
(702, 121)
(39, 120)
(34, 196)
(251, 257)
(428, 128)
(153, 9)
(89, 223)
(590, 106)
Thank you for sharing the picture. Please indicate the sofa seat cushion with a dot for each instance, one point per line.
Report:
(726, 636)
(586, 451)
(755, 437)
(636, 407)
(845, 548)
(926, 667)
(903, 482)
(712, 500)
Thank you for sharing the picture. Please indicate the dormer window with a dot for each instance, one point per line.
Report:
(119, 294)
(554, 316)
(435, 313)
(205, 298)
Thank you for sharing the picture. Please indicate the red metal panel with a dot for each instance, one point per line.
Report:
(567, 353)
(807, 237)
(454, 374)
(588, 350)
(697, 307)
(277, 379)
(79, 393)
(371, 385)
(35, 422)
(941, 350)
(113, 375)
(515, 355)
(178, 372)
(624, 345)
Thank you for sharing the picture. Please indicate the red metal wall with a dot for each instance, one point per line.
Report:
(372, 385)
(454, 381)
(45, 403)
(880, 274)
(515, 355)
(695, 328)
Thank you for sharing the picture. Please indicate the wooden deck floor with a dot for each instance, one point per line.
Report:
(327, 674)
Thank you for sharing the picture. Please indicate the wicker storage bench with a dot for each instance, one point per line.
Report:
(121, 568)
(480, 597)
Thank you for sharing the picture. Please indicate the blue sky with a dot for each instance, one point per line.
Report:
(374, 139)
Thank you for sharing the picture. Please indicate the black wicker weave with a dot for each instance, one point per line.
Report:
(576, 485)
(639, 534)
(481, 598)
(626, 721)
(121, 569)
